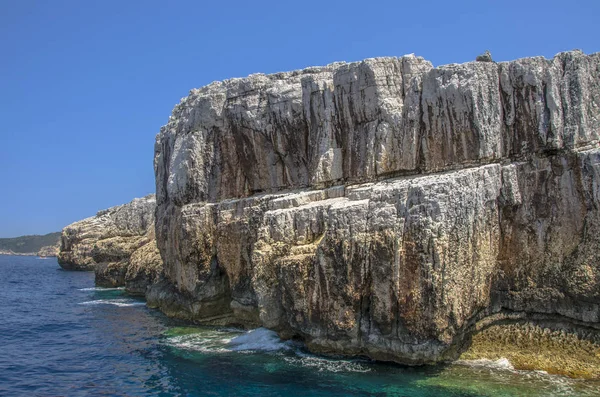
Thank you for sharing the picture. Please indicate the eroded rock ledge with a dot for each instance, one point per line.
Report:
(119, 244)
(384, 207)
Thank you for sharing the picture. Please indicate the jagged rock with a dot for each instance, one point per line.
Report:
(118, 243)
(110, 274)
(144, 268)
(485, 57)
(385, 207)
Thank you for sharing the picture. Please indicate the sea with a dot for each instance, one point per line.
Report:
(62, 336)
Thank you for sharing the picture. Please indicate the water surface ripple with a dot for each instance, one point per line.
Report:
(61, 336)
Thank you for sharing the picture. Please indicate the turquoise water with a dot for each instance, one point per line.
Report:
(60, 336)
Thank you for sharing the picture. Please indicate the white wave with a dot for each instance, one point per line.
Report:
(195, 343)
(102, 289)
(501, 363)
(205, 342)
(259, 339)
(114, 302)
(231, 330)
(230, 340)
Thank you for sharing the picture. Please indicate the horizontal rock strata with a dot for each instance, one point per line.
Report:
(119, 244)
(385, 207)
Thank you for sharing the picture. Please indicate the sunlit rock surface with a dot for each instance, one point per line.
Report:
(118, 243)
(385, 207)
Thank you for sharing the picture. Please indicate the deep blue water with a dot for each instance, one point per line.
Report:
(59, 336)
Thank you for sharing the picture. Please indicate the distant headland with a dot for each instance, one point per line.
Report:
(32, 245)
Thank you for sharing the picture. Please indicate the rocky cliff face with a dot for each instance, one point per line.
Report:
(118, 243)
(385, 207)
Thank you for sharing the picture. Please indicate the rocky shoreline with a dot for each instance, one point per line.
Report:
(382, 208)
(118, 244)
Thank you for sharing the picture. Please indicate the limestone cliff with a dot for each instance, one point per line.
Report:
(385, 207)
(118, 243)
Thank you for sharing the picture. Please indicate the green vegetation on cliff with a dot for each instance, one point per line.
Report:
(29, 244)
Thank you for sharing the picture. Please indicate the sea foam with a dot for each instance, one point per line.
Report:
(114, 302)
(323, 364)
(230, 340)
(259, 339)
(501, 363)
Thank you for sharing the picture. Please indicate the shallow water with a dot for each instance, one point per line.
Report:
(59, 335)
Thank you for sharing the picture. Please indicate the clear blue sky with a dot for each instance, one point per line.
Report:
(86, 85)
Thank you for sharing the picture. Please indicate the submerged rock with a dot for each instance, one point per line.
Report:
(385, 207)
(118, 244)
